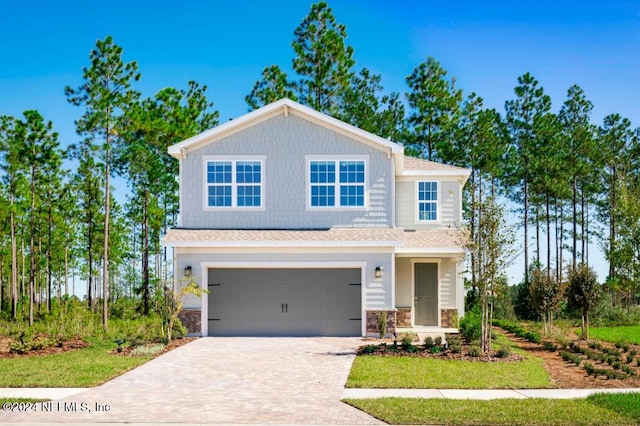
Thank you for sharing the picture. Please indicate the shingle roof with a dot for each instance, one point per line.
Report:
(417, 164)
(445, 240)
(437, 238)
(371, 237)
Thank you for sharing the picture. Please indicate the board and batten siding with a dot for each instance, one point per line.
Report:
(284, 142)
(449, 204)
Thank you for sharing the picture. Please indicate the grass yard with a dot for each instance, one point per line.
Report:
(433, 373)
(629, 334)
(85, 367)
(602, 409)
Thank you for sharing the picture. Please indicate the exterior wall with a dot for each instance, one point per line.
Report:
(285, 141)
(372, 322)
(448, 291)
(449, 203)
(377, 293)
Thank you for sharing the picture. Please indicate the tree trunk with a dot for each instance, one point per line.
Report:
(574, 201)
(526, 231)
(32, 271)
(14, 262)
(145, 251)
(105, 260)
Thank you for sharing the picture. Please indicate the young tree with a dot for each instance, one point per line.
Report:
(493, 256)
(545, 294)
(434, 104)
(105, 94)
(273, 86)
(323, 60)
(583, 293)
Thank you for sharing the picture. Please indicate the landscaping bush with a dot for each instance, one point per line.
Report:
(549, 346)
(470, 327)
(475, 351)
(504, 352)
(456, 348)
(428, 342)
(407, 338)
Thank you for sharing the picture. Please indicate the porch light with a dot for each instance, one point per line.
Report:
(378, 271)
(187, 271)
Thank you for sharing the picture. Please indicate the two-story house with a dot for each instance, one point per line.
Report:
(299, 224)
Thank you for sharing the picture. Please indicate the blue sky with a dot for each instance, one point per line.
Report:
(225, 45)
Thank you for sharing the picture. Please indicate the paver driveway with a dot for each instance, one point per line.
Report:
(224, 381)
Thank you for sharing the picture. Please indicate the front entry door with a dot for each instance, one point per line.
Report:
(426, 294)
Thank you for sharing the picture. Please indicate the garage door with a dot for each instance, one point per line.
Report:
(284, 302)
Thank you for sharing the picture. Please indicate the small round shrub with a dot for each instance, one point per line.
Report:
(503, 352)
(455, 348)
(438, 341)
(475, 351)
(428, 342)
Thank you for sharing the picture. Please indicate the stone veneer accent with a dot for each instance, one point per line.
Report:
(404, 317)
(372, 321)
(191, 319)
(448, 316)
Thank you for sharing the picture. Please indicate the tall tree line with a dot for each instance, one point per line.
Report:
(571, 181)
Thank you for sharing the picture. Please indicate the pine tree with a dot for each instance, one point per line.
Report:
(273, 86)
(322, 59)
(105, 94)
(434, 105)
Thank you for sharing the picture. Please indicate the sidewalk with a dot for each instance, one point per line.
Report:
(484, 394)
(40, 393)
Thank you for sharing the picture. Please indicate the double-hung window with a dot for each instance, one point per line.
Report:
(337, 183)
(234, 183)
(427, 201)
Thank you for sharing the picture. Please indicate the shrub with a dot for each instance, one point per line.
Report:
(616, 365)
(455, 348)
(504, 352)
(627, 370)
(470, 327)
(589, 368)
(629, 359)
(453, 339)
(368, 350)
(148, 350)
(407, 338)
(435, 349)
(438, 341)
(475, 351)
(549, 346)
(428, 342)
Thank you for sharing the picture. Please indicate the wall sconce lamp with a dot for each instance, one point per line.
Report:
(379, 272)
(187, 271)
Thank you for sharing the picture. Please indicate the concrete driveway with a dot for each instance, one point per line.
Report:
(222, 381)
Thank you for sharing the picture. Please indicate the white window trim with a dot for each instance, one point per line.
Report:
(234, 185)
(336, 158)
(417, 201)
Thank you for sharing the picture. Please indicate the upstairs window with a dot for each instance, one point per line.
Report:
(427, 201)
(233, 183)
(337, 183)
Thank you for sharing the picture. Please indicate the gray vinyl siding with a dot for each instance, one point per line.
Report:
(285, 141)
(377, 291)
(448, 210)
(448, 278)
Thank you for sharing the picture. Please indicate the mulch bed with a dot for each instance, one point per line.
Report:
(389, 350)
(76, 343)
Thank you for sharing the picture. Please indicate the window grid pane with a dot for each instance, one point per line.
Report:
(323, 196)
(219, 172)
(323, 172)
(427, 201)
(219, 196)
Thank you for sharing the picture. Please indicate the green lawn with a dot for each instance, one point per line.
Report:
(630, 334)
(85, 367)
(433, 373)
(596, 410)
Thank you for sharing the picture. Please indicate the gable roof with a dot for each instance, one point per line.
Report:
(284, 107)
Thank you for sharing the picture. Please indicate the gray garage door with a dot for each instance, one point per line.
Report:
(284, 302)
